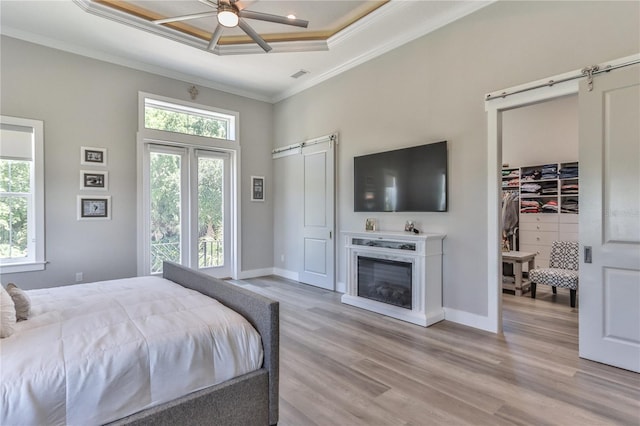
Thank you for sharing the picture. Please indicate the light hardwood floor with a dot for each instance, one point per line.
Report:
(340, 365)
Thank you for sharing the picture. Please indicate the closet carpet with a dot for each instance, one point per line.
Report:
(340, 365)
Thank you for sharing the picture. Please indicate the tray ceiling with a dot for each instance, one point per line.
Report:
(340, 36)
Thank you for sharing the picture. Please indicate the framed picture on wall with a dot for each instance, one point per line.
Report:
(257, 188)
(90, 179)
(93, 207)
(93, 156)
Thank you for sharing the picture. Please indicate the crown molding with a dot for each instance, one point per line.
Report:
(338, 41)
(136, 65)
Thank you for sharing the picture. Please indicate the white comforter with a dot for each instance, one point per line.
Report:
(93, 353)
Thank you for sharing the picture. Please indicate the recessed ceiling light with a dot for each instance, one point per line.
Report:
(291, 16)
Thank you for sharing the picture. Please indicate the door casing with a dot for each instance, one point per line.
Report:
(494, 108)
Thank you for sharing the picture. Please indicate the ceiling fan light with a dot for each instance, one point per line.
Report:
(227, 17)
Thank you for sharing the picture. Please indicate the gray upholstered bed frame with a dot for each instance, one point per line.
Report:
(251, 399)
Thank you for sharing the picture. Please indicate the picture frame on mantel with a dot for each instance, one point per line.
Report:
(257, 188)
(370, 224)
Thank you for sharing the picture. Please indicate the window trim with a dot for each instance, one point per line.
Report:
(36, 221)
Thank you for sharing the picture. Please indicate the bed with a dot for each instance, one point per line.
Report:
(152, 351)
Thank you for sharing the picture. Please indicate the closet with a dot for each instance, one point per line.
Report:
(540, 179)
(546, 199)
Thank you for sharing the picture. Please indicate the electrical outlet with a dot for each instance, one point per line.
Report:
(78, 277)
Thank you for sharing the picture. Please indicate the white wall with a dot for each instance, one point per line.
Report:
(85, 102)
(433, 89)
(542, 133)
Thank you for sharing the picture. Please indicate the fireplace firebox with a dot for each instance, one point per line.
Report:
(386, 281)
(396, 274)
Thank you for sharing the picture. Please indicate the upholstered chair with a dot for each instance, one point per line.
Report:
(562, 270)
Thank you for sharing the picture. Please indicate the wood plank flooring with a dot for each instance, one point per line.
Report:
(340, 365)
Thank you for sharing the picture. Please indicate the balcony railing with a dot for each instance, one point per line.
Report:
(164, 251)
(210, 254)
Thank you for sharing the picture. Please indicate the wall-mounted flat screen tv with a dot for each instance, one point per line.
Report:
(404, 180)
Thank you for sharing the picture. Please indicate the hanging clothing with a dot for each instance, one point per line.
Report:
(510, 201)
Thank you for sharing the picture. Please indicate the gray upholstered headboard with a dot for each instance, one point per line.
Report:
(263, 313)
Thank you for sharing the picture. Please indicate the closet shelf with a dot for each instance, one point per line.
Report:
(557, 183)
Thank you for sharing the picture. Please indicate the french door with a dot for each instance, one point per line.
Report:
(187, 217)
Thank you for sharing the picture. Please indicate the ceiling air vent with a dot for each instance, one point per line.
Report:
(300, 74)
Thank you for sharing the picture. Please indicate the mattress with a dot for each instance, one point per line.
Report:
(94, 353)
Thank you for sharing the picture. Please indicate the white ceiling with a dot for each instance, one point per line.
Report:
(64, 25)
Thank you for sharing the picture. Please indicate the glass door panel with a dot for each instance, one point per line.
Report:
(211, 235)
(165, 184)
(210, 212)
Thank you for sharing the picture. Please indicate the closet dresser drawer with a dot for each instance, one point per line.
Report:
(539, 226)
(537, 232)
(538, 217)
(538, 237)
(569, 230)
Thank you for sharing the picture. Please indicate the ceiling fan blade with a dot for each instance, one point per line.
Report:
(254, 35)
(215, 37)
(273, 18)
(209, 3)
(184, 17)
(238, 4)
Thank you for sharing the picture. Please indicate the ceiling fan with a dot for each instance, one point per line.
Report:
(230, 14)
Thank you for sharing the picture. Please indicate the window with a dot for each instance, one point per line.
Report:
(187, 120)
(21, 195)
(188, 153)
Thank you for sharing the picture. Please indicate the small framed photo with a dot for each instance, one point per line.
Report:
(93, 156)
(370, 225)
(257, 188)
(94, 207)
(90, 179)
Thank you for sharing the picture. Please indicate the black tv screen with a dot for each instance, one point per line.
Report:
(404, 180)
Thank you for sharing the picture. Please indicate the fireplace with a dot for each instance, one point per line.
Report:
(386, 281)
(396, 274)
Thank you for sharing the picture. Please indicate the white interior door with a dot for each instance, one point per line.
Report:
(609, 290)
(318, 226)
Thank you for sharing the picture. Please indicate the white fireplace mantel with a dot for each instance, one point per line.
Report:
(423, 251)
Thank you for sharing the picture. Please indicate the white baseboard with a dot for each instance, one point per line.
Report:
(453, 315)
(291, 275)
(255, 273)
(469, 319)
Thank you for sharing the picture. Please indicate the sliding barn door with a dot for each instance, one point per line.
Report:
(318, 227)
(609, 289)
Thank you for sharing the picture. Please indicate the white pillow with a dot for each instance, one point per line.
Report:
(21, 301)
(7, 314)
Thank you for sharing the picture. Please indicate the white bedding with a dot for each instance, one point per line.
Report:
(94, 353)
